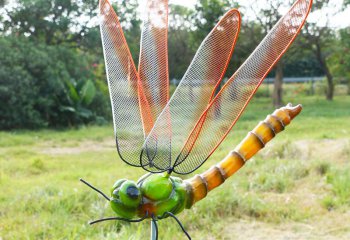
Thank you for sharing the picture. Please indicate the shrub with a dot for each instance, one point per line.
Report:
(43, 85)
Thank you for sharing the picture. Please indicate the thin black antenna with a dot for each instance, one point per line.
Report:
(97, 190)
(120, 219)
(178, 221)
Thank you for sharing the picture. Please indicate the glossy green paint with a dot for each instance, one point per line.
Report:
(157, 187)
(122, 202)
(155, 194)
(177, 201)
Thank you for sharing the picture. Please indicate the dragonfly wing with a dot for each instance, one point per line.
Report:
(131, 114)
(227, 106)
(191, 97)
(153, 62)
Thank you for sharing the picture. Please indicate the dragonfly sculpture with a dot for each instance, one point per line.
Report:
(179, 134)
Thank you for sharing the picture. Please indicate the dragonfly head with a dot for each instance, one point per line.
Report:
(125, 198)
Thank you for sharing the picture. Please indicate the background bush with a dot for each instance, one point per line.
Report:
(47, 86)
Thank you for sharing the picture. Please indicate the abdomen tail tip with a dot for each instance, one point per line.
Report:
(293, 111)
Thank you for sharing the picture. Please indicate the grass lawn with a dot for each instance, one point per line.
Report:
(298, 187)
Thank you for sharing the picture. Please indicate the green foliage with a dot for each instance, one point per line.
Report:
(302, 65)
(179, 50)
(18, 87)
(79, 95)
(340, 60)
(45, 76)
(339, 179)
(44, 85)
(50, 21)
(131, 23)
(206, 15)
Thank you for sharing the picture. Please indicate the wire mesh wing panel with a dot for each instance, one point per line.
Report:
(227, 106)
(191, 97)
(124, 88)
(153, 64)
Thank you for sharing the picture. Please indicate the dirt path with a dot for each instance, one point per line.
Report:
(329, 226)
(77, 148)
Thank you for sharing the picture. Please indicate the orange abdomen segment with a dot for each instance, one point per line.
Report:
(250, 145)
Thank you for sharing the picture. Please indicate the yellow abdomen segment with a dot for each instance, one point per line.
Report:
(254, 141)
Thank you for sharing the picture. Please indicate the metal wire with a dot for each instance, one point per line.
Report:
(155, 225)
(178, 221)
(199, 115)
(153, 62)
(131, 111)
(194, 138)
(94, 188)
(227, 106)
(120, 219)
(191, 97)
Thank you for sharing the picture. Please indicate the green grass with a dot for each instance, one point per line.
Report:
(301, 178)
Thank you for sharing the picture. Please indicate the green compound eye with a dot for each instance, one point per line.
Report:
(129, 194)
(117, 185)
(133, 192)
(126, 198)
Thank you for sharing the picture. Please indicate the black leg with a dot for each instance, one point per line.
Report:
(97, 190)
(178, 221)
(120, 219)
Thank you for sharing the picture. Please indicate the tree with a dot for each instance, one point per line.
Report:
(206, 15)
(18, 93)
(50, 21)
(37, 82)
(179, 50)
(340, 60)
(45, 76)
(267, 17)
(320, 40)
(131, 24)
(301, 62)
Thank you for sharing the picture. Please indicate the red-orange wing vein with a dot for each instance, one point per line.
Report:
(131, 114)
(153, 62)
(225, 109)
(191, 97)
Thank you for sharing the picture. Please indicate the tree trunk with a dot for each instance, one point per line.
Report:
(277, 90)
(323, 63)
(330, 89)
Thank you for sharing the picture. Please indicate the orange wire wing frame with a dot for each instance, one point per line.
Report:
(224, 110)
(153, 61)
(131, 111)
(195, 121)
(191, 97)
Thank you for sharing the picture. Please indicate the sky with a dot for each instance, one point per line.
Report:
(187, 3)
(338, 20)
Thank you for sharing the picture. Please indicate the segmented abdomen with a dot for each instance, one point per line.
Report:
(255, 140)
